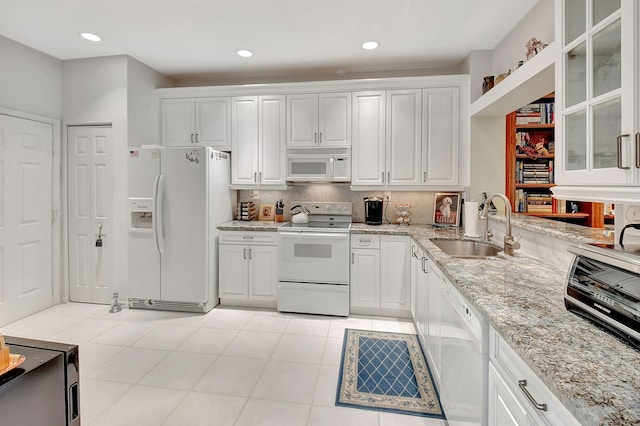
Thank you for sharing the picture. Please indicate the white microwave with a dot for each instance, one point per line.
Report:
(319, 164)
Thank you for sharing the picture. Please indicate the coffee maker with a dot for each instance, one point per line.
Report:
(373, 211)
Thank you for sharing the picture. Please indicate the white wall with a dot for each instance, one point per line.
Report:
(487, 156)
(538, 23)
(116, 90)
(30, 81)
(478, 64)
(143, 106)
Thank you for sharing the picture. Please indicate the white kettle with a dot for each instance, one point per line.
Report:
(301, 215)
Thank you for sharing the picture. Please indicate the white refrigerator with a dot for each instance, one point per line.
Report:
(177, 199)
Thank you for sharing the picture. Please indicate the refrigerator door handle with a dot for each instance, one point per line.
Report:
(157, 213)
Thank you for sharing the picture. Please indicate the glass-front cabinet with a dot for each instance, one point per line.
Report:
(597, 92)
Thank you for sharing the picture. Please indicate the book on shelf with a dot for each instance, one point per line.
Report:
(536, 113)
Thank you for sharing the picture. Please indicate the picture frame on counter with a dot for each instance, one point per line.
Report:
(446, 209)
(266, 212)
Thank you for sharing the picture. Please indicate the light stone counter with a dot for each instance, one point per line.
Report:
(250, 225)
(594, 374)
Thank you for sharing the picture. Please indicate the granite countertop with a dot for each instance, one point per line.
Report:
(594, 374)
(250, 225)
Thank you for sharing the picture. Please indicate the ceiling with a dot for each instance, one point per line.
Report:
(199, 38)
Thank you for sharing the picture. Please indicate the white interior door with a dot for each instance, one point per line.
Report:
(26, 153)
(90, 211)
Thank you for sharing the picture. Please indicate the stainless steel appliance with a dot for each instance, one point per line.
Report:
(373, 210)
(319, 164)
(603, 284)
(314, 261)
(44, 390)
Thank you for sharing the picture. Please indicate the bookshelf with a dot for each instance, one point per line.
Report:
(530, 158)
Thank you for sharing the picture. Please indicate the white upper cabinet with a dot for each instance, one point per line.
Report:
(404, 118)
(440, 136)
(368, 165)
(597, 93)
(271, 139)
(319, 120)
(244, 137)
(258, 140)
(197, 121)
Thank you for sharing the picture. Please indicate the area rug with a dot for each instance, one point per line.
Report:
(386, 372)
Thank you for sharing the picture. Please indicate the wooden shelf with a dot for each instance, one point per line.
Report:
(534, 185)
(560, 215)
(540, 157)
(535, 126)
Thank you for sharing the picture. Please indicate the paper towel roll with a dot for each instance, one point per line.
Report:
(471, 221)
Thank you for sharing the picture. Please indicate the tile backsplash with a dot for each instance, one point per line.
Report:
(421, 201)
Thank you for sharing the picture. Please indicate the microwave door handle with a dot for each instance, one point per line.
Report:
(331, 166)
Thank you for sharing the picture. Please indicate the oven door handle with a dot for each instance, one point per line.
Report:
(337, 235)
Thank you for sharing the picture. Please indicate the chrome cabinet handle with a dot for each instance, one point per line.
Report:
(254, 177)
(244, 253)
(382, 177)
(249, 254)
(259, 176)
(320, 137)
(247, 237)
(523, 385)
(414, 251)
(197, 138)
(191, 137)
(388, 177)
(422, 265)
(353, 258)
(638, 150)
(619, 142)
(424, 177)
(315, 137)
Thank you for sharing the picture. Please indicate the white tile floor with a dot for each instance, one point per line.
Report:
(229, 367)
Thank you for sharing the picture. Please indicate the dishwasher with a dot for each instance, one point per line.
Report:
(464, 340)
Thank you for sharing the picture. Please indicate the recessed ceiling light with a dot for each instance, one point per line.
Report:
(369, 45)
(245, 53)
(90, 36)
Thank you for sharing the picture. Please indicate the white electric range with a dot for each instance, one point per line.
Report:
(314, 261)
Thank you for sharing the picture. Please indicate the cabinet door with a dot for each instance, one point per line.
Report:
(504, 408)
(234, 275)
(416, 262)
(596, 94)
(440, 129)
(404, 112)
(434, 320)
(263, 272)
(423, 299)
(213, 122)
(302, 120)
(368, 151)
(365, 278)
(334, 119)
(272, 140)
(244, 140)
(394, 272)
(178, 122)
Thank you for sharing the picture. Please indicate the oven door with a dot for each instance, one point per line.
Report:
(306, 168)
(314, 257)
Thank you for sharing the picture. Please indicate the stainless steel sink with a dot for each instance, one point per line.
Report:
(466, 248)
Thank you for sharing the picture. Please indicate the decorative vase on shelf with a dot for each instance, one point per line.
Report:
(487, 84)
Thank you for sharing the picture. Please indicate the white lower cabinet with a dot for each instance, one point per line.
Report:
(433, 319)
(516, 395)
(248, 268)
(380, 269)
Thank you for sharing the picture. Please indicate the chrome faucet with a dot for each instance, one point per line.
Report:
(509, 243)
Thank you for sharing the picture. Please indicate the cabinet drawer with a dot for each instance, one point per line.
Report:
(365, 241)
(514, 370)
(243, 237)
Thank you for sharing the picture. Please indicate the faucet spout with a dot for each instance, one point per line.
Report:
(509, 243)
